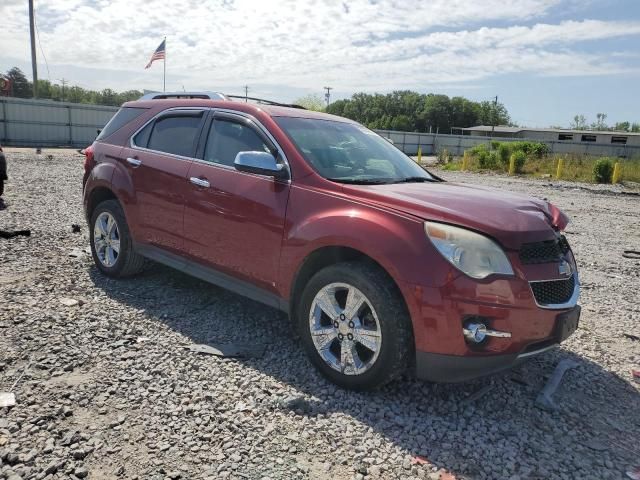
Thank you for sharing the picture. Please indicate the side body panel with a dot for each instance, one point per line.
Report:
(156, 203)
(236, 224)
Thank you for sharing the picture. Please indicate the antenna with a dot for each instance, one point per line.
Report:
(327, 96)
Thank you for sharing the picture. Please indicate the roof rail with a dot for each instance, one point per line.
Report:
(267, 102)
(202, 95)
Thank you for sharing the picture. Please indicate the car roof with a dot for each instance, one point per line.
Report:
(246, 107)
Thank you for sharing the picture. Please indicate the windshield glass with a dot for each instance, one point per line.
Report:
(350, 153)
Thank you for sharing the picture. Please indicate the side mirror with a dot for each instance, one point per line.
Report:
(261, 163)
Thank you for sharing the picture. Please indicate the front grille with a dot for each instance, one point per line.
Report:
(544, 252)
(553, 292)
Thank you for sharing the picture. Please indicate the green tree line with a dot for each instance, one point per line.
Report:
(21, 87)
(580, 122)
(415, 112)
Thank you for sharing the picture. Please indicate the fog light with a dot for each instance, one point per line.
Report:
(475, 332)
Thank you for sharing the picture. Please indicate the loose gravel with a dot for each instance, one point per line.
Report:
(111, 389)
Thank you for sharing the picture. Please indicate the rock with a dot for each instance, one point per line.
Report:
(69, 302)
(81, 472)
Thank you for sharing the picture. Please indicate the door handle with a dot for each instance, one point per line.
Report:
(134, 162)
(200, 182)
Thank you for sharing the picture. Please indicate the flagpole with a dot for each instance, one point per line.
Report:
(164, 77)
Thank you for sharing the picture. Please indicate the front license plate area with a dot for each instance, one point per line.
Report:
(567, 323)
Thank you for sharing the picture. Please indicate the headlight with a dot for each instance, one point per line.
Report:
(470, 252)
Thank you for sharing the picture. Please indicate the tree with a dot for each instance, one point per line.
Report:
(579, 122)
(622, 126)
(600, 124)
(635, 127)
(418, 112)
(311, 102)
(20, 86)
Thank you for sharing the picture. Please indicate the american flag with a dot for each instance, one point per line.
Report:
(159, 54)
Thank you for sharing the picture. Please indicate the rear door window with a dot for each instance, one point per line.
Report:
(119, 120)
(175, 134)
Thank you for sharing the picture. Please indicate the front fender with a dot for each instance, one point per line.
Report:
(396, 242)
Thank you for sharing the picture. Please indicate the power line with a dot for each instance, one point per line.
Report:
(493, 116)
(35, 23)
(327, 96)
(34, 64)
(64, 83)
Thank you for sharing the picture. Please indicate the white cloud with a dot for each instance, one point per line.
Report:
(304, 43)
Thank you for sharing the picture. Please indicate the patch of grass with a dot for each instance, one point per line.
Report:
(577, 168)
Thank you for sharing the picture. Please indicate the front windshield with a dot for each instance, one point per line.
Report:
(350, 153)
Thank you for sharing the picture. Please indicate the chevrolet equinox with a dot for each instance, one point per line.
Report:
(382, 267)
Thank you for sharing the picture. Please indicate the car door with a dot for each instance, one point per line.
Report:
(158, 161)
(234, 221)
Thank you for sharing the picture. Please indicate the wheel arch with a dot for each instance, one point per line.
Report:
(98, 195)
(325, 256)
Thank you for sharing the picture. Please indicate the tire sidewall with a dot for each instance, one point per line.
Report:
(385, 303)
(113, 208)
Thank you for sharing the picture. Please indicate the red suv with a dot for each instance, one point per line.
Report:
(382, 266)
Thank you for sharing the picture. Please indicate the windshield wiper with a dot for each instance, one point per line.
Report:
(359, 181)
(415, 179)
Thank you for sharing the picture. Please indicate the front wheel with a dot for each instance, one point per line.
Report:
(355, 326)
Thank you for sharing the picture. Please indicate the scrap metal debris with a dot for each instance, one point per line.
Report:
(75, 228)
(419, 460)
(544, 400)
(15, 233)
(633, 254)
(636, 375)
(634, 473)
(476, 395)
(7, 399)
(230, 350)
(631, 336)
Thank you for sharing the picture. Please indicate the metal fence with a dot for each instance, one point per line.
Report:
(45, 123)
(432, 143)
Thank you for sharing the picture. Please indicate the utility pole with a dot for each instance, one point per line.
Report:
(34, 64)
(493, 116)
(64, 83)
(327, 96)
(246, 93)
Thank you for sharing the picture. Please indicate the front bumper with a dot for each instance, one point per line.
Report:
(505, 305)
(458, 368)
(436, 367)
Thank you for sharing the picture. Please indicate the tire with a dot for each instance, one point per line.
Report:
(1, 187)
(127, 262)
(382, 322)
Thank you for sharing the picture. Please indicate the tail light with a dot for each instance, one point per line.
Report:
(89, 161)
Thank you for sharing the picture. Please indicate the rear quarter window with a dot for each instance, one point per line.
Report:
(119, 120)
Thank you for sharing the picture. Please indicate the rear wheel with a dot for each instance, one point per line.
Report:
(1, 187)
(354, 326)
(111, 243)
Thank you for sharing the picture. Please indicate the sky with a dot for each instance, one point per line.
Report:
(546, 60)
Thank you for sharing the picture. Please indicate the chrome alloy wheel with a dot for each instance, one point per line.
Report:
(106, 239)
(345, 329)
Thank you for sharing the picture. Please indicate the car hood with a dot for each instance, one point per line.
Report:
(510, 218)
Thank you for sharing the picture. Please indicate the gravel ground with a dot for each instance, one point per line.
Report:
(110, 389)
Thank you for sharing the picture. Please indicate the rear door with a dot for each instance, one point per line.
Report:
(158, 160)
(233, 220)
